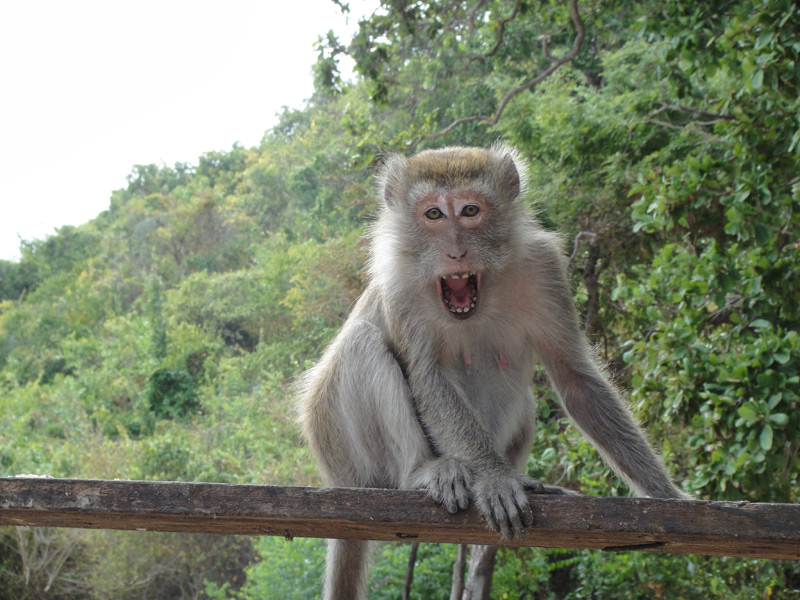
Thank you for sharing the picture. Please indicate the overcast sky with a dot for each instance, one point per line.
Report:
(90, 88)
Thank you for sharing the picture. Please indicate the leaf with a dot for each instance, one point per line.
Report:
(780, 419)
(757, 80)
(762, 232)
(763, 39)
(761, 324)
(766, 437)
(782, 356)
(748, 412)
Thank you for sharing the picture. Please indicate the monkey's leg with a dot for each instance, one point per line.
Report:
(346, 567)
(367, 435)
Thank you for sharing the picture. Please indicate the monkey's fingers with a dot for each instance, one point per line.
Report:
(447, 481)
(497, 519)
(533, 485)
(506, 508)
(555, 490)
(537, 487)
(453, 494)
(523, 507)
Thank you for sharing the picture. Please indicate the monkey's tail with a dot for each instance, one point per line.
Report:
(346, 569)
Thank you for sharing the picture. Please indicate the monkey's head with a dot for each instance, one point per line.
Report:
(446, 223)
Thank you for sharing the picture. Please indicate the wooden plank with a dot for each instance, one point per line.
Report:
(582, 522)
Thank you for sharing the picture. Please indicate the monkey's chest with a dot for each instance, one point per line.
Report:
(497, 389)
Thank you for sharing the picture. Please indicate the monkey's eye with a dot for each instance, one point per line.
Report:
(470, 210)
(434, 213)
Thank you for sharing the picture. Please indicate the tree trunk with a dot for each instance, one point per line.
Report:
(412, 561)
(459, 567)
(481, 570)
(591, 277)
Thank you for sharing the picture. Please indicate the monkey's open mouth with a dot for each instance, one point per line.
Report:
(459, 292)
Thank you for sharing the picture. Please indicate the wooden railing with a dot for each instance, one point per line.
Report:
(579, 522)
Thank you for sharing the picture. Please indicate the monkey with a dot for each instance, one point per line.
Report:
(428, 383)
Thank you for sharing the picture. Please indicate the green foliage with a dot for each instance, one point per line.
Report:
(289, 569)
(634, 576)
(163, 566)
(432, 571)
(172, 393)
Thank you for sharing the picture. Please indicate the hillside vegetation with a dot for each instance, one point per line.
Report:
(160, 340)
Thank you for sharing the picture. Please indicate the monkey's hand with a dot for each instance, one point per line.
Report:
(447, 480)
(500, 496)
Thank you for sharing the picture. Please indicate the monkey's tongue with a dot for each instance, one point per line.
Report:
(458, 285)
(460, 298)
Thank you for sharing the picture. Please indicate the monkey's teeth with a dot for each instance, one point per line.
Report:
(464, 275)
(462, 309)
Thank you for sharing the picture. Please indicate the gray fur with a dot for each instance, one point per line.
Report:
(408, 397)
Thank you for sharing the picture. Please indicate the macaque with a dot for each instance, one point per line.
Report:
(428, 384)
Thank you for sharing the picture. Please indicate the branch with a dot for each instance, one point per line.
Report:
(715, 117)
(695, 126)
(689, 126)
(493, 119)
(581, 522)
(412, 562)
(474, 13)
(576, 244)
(501, 28)
(475, 57)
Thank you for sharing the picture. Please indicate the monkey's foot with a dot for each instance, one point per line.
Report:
(447, 480)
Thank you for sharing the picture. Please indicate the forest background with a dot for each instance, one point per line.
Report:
(159, 340)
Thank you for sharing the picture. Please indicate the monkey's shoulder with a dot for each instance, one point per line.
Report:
(537, 254)
(539, 242)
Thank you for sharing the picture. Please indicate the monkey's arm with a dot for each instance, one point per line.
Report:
(588, 397)
(467, 462)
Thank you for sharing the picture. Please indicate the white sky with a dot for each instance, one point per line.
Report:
(90, 88)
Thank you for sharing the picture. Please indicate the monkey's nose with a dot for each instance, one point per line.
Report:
(457, 254)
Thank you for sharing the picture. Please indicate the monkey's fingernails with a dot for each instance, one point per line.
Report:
(520, 518)
(519, 533)
(525, 511)
(492, 521)
(514, 530)
(527, 517)
(509, 519)
(460, 495)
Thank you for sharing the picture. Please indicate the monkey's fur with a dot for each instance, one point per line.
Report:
(428, 383)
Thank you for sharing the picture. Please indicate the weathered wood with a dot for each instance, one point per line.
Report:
(582, 522)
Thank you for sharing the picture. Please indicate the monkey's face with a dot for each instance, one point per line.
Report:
(447, 225)
(451, 223)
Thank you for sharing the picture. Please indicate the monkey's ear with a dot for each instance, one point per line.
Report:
(510, 178)
(391, 180)
(512, 171)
